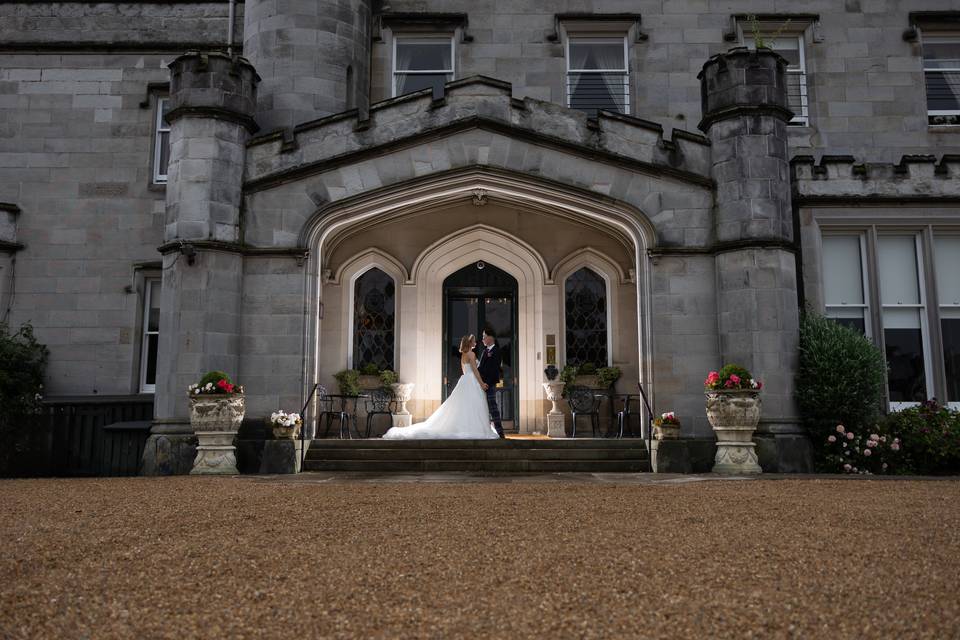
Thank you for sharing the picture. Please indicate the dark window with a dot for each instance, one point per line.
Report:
(586, 318)
(597, 76)
(374, 309)
(161, 143)
(421, 63)
(150, 339)
(941, 66)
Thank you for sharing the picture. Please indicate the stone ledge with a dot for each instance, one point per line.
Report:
(471, 103)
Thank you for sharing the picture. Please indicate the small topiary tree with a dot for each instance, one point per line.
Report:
(840, 377)
(23, 363)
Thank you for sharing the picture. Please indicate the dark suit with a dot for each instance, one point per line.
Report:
(488, 364)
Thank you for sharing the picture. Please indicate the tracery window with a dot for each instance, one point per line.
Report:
(586, 318)
(374, 312)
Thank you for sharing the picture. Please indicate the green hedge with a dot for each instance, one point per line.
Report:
(930, 438)
(23, 362)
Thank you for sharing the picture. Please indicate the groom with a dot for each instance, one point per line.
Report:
(488, 363)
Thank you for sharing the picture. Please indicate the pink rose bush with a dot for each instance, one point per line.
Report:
(731, 377)
(850, 452)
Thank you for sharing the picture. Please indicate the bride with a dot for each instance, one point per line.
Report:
(464, 415)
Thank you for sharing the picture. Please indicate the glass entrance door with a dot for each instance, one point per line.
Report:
(472, 301)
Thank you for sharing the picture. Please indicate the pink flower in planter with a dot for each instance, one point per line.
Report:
(734, 378)
(849, 435)
(867, 452)
(840, 428)
(712, 378)
(831, 438)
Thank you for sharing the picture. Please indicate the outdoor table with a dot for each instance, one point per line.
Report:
(347, 411)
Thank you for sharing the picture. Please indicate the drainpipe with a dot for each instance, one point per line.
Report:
(230, 28)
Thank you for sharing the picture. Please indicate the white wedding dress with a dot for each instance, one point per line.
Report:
(463, 416)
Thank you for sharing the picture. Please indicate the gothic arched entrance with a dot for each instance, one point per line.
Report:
(477, 296)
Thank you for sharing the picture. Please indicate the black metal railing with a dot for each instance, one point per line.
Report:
(593, 92)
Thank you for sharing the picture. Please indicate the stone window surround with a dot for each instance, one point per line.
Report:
(572, 36)
(350, 272)
(608, 271)
(925, 231)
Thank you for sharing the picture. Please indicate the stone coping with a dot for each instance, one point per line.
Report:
(476, 102)
(923, 177)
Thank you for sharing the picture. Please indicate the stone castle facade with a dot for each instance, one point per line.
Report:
(646, 190)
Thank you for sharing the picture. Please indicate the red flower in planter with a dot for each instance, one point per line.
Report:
(225, 386)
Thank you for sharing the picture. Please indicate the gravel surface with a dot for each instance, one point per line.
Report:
(232, 557)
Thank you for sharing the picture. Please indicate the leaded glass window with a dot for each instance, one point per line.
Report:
(374, 311)
(586, 318)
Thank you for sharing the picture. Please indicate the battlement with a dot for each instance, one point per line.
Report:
(476, 102)
(842, 176)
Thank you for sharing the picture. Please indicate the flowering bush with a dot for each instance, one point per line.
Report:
(731, 376)
(931, 437)
(214, 382)
(845, 451)
(668, 419)
(284, 419)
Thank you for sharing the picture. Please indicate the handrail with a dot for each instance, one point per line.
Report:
(303, 425)
(646, 403)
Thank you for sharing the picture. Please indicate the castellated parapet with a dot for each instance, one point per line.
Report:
(914, 176)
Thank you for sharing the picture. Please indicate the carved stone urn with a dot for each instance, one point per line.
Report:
(402, 391)
(216, 419)
(554, 390)
(734, 414)
(283, 432)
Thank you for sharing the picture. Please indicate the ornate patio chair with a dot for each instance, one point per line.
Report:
(584, 401)
(632, 409)
(325, 410)
(379, 403)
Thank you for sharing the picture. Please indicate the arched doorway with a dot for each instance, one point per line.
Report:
(477, 296)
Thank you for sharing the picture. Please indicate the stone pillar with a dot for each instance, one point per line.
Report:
(212, 100)
(314, 57)
(745, 115)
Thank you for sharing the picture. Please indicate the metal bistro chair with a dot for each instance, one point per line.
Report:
(378, 403)
(325, 410)
(584, 402)
(628, 412)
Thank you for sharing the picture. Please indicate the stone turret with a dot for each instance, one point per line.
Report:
(745, 115)
(212, 100)
(314, 57)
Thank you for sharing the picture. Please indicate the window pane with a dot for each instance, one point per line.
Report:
(941, 53)
(943, 90)
(842, 274)
(597, 54)
(947, 256)
(789, 48)
(424, 56)
(150, 372)
(163, 141)
(591, 92)
(857, 324)
(950, 326)
(153, 317)
(586, 318)
(373, 316)
(852, 317)
(897, 258)
(408, 83)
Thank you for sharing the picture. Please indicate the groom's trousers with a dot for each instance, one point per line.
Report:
(494, 410)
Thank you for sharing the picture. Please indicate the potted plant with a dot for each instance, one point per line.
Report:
(286, 426)
(733, 409)
(388, 378)
(666, 426)
(216, 411)
(348, 381)
(589, 375)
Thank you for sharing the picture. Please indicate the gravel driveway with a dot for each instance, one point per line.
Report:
(193, 557)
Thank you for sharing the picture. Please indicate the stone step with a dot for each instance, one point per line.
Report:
(480, 466)
(369, 453)
(509, 443)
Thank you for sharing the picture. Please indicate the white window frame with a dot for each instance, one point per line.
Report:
(422, 39)
(955, 404)
(938, 39)
(598, 39)
(160, 127)
(151, 285)
(864, 284)
(921, 308)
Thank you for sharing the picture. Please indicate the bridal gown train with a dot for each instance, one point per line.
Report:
(464, 415)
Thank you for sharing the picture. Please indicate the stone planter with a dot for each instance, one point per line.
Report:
(369, 383)
(402, 391)
(667, 432)
(588, 380)
(734, 415)
(215, 419)
(555, 428)
(281, 432)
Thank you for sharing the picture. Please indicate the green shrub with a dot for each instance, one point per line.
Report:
(213, 377)
(369, 369)
(871, 451)
(606, 376)
(348, 380)
(388, 377)
(23, 363)
(840, 377)
(587, 369)
(930, 437)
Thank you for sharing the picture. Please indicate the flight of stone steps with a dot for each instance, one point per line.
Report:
(491, 456)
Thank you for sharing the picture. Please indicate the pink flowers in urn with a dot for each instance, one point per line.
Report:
(731, 377)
